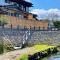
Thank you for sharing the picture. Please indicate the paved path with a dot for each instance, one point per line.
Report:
(12, 55)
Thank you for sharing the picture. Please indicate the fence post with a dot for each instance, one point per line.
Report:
(30, 27)
(43, 28)
(11, 26)
(39, 27)
(34, 27)
(24, 27)
(18, 27)
(3, 26)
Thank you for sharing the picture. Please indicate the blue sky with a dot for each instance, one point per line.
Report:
(43, 7)
(46, 4)
(2, 2)
(43, 4)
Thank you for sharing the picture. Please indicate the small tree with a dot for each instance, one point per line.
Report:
(3, 22)
(57, 24)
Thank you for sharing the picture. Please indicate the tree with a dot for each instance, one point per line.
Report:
(57, 24)
(53, 16)
(35, 16)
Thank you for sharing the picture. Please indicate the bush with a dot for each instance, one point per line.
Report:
(57, 24)
(8, 46)
(3, 22)
(1, 48)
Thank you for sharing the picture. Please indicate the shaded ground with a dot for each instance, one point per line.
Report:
(12, 55)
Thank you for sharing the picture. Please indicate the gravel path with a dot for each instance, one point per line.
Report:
(14, 54)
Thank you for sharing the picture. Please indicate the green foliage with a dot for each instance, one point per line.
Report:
(3, 22)
(23, 57)
(8, 46)
(5, 46)
(1, 48)
(42, 47)
(37, 48)
(57, 24)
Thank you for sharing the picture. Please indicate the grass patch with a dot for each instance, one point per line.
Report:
(37, 48)
(23, 57)
(42, 47)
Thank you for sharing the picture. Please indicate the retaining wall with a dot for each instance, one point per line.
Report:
(18, 37)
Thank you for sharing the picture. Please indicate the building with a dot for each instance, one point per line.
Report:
(16, 13)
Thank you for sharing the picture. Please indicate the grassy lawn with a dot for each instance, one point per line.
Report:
(37, 48)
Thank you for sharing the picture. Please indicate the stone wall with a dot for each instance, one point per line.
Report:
(19, 37)
(49, 37)
(14, 36)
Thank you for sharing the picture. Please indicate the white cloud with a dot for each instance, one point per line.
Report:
(42, 13)
(39, 11)
(28, 0)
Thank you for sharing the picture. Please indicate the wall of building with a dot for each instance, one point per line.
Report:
(24, 22)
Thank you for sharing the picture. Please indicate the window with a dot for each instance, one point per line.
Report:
(20, 16)
(14, 14)
(8, 14)
(11, 14)
(17, 15)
